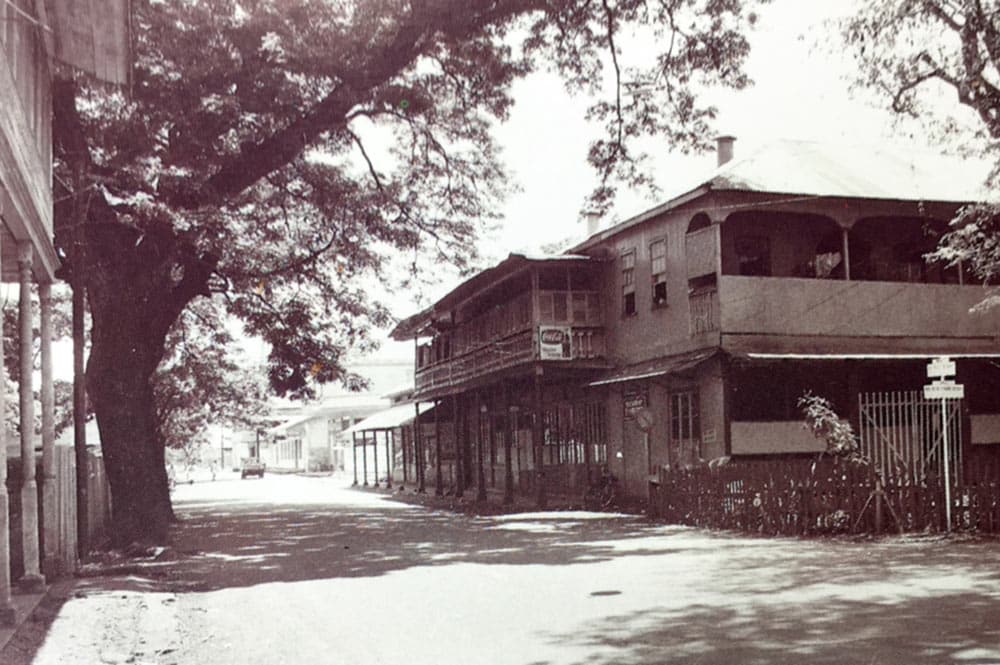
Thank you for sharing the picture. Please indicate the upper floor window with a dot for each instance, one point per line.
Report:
(658, 268)
(628, 283)
(753, 256)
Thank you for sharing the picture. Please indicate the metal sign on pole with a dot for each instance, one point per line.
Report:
(944, 389)
(941, 366)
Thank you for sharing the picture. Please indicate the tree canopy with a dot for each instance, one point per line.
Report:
(938, 62)
(285, 152)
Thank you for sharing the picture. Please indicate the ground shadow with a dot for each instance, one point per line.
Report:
(244, 544)
(914, 631)
(885, 603)
(724, 598)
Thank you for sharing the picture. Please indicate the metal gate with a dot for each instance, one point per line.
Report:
(900, 432)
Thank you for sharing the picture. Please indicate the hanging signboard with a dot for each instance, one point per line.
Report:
(634, 401)
(554, 343)
(644, 419)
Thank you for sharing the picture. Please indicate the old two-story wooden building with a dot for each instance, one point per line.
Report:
(689, 332)
(36, 38)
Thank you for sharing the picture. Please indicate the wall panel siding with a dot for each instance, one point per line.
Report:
(755, 438)
(985, 428)
(655, 331)
(799, 306)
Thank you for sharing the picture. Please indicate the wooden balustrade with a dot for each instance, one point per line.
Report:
(587, 344)
(704, 308)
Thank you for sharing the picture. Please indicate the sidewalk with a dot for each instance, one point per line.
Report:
(34, 614)
(24, 605)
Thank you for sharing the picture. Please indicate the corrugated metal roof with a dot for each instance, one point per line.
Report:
(657, 367)
(858, 171)
(352, 404)
(396, 416)
(808, 168)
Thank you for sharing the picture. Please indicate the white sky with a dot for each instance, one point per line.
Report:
(800, 92)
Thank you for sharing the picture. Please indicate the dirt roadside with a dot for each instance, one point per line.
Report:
(28, 637)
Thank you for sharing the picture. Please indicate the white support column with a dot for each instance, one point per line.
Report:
(32, 579)
(6, 606)
(51, 523)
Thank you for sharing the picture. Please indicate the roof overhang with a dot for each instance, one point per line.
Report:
(656, 368)
(93, 36)
(861, 356)
(391, 418)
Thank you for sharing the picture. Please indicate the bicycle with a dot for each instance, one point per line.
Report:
(602, 494)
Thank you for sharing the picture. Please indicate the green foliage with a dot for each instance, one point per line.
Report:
(287, 154)
(821, 419)
(299, 146)
(921, 57)
(201, 383)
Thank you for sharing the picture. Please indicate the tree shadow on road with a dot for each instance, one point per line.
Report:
(911, 631)
(722, 598)
(256, 543)
(879, 603)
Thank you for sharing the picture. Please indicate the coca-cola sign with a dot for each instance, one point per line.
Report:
(553, 336)
(554, 343)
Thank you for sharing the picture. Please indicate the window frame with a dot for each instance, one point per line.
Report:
(658, 277)
(627, 281)
(685, 418)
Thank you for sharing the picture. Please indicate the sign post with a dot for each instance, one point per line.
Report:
(944, 389)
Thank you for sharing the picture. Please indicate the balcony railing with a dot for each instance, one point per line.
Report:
(564, 308)
(586, 344)
(825, 308)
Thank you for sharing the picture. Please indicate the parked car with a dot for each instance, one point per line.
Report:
(252, 466)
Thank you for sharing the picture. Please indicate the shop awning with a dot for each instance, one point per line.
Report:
(396, 416)
(654, 368)
(860, 356)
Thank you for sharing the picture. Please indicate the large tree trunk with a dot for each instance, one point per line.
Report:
(138, 282)
(119, 383)
(138, 276)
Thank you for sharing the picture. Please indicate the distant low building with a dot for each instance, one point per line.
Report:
(306, 436)
(309, 442)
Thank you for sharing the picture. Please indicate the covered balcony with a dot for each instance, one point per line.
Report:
(797, 282)
(507, 318)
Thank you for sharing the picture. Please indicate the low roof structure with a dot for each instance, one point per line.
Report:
(348, 405)
(651, 369)
(391, 418)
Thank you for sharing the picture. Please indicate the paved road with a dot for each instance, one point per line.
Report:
(301, 570)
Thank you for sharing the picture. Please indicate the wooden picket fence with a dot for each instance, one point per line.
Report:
(816, 497)
(63, 546)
